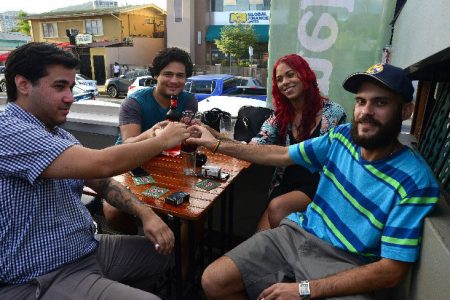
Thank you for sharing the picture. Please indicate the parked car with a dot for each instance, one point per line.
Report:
(204, 86)
(81, 79)
(140, 83)
(87, 88)
(255, 92)
(230, 104)
(2, 79)
(119, 86)
(80, 94)
(249, 81)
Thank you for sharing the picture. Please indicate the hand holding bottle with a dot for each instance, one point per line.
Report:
(173, 134)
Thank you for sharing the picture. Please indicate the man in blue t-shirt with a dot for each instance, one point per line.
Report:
(144, 111)
(49, 248)
(363, 228)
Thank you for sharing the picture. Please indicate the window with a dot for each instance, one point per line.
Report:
(200, 86)
(94, 27)
(178, 10)
(49, 30)
(230, 84)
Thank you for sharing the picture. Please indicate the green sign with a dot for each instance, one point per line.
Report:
(336, 37)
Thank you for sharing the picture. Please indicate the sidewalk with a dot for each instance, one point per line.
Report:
(101, 89)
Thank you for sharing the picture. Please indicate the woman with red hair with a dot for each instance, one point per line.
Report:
(300, 113)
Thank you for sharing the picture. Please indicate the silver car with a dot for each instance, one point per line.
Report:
(83, 81)
(249, 81)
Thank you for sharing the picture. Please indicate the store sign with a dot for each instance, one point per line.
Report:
(250, 17)
(81, 39)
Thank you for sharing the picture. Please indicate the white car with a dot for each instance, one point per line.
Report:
(80, 94)
(228, 103)
(87, 88)
(83, 81)
(140, 83)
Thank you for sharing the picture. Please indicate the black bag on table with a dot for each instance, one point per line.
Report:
(249, 121)
(212, 118)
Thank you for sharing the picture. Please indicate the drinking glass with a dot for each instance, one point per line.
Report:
(189, 160)
(226, 126)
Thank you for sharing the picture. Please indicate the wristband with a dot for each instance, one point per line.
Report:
(217, 146)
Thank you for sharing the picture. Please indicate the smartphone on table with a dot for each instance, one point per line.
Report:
(138, 172)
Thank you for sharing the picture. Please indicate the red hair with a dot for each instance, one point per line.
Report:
(284, 110)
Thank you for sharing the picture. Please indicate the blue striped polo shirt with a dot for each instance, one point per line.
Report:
(43, 224)
(371, 209)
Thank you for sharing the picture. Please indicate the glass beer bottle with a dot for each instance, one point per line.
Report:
(173, 115)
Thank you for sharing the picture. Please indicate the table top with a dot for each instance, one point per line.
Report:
(168, 173)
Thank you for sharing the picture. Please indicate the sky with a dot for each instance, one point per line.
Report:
(41, 6)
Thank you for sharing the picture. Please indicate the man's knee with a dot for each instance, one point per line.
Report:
(211, 282)
(275, 212)
(222, 278)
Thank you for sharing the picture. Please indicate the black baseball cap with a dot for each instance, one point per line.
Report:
(390, 76)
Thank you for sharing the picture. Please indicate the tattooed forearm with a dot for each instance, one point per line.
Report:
(116, 194)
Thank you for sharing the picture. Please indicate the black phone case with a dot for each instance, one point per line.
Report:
(138, 172)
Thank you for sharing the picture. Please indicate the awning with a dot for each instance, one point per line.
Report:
(4, 56)
(64, 45)
(262, 31)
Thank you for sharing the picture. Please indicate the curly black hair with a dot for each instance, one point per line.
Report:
(168, 55)
(31, 61)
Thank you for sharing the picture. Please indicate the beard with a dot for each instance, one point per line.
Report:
(386, 135)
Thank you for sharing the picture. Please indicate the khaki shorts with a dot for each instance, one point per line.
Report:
(288, 253)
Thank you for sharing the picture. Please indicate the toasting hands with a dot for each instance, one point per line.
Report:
(201, 136)
(173, 134)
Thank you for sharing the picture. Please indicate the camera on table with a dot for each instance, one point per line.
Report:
(213, 172)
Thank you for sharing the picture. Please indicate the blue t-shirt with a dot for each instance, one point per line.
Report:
(372, 209)
(148, 112)
(43, 223)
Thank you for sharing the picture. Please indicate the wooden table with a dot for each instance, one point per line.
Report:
(168, 173)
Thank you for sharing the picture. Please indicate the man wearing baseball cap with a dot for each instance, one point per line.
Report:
(362, 230)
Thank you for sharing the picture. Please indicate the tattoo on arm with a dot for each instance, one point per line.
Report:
(118, 195)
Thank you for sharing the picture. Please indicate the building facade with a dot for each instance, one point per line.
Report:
(8, 21)
(131, 35)
(193, 26)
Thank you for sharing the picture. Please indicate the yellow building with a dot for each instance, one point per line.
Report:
(130, 35)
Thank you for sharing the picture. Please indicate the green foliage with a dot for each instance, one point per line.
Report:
(22, 24)
(224, 62)
(244, 64)
(235, 40)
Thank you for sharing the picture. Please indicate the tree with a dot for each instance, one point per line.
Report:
(235, 40)
(22, 24)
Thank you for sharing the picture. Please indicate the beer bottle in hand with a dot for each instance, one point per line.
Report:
(173, 114)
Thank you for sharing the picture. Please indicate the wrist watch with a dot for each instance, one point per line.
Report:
(303, 289)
